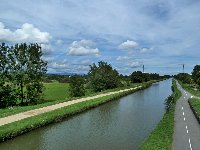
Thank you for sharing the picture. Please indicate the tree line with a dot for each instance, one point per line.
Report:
(194, 78)
(21, 72)
(103, 77)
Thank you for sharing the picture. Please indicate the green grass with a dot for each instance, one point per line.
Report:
(16, 128)
(195, 103)
(56, 91)
(191, 89)
(162, 136)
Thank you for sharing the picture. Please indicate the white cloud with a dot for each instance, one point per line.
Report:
(62, 65)
(47, 49)
(146, 50)
(27, 33)
(128, 45)
(58, 42)
(123, 58)
(83, 47)
(135, 64)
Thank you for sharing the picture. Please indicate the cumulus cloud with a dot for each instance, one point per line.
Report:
(47, 49)
(146, 50)
(135, 64)
(27, 33)
(123, 58)
(82, 48)
(128, 45)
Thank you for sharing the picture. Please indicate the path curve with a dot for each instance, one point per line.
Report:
(186, 129)
(30, 113)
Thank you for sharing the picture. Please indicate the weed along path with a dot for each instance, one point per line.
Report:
(187, 129)
(31, 113)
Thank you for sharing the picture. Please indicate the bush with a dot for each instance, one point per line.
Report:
(76, 86)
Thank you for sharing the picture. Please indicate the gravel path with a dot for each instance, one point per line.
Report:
(27, 114)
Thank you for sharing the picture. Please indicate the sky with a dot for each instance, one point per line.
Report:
(159, 34)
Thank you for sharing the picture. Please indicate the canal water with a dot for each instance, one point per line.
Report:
(123, 124)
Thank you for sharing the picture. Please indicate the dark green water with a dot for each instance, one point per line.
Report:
(118, 125)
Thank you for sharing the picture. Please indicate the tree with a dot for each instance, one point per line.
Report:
(196, 74)
(137, 77)
(7, 93)
(21, 71)
(103, 76)
(76, 85)
(184, 77)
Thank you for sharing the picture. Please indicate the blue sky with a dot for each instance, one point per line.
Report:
(125, 33)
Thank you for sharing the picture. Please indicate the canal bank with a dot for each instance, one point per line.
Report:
(128, 120)
(162, 136)
(26, 121)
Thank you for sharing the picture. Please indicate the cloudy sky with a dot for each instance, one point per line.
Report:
(159, 34)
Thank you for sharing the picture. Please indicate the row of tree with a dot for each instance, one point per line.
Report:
(21, 72)
(139, 77)
(193, 78)
(102, 77)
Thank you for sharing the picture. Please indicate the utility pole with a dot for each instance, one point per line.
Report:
(183, 67)
(143, 68)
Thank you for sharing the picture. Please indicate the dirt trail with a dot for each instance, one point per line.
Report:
(30, 113)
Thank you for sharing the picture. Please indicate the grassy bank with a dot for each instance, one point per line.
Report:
(17, 128)
(195, 106)
(161, 136)
(190, 88)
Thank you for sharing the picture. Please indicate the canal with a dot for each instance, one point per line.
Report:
(123, 124)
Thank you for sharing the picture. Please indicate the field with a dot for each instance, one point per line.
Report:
(56, 91)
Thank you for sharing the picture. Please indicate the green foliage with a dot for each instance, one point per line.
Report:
(195, 103)
(103, 77)
(76, 85)
(21, 71)
(196, 74)
(7, 98)
(184, 77)
(169, 103)
(139, 77)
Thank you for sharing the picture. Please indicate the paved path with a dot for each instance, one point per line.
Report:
(187, 129)
(27, 114)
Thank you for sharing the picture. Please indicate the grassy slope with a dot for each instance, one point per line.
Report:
(195, 103)
(190, 89)
(162, 136)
